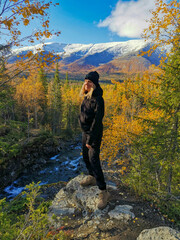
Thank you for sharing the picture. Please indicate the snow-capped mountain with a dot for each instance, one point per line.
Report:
(75, 57)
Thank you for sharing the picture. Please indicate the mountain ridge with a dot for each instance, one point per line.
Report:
(112, 57)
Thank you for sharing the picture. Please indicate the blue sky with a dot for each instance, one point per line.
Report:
(78, 20)
(99, 21)
(95, 21)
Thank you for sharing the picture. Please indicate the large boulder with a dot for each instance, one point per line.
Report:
(159, 233)
(75, 199)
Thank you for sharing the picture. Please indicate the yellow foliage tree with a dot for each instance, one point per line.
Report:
(149, 116)
(30, 94)
(16, 13)
(164, 26)
(71, 103)
(126, 103)
(15, 16)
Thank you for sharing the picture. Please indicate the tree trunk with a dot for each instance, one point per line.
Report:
(28, 122)
(35, 116)
(174, 146)
(169, 179)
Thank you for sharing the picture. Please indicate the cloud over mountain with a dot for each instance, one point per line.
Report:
(128, 19)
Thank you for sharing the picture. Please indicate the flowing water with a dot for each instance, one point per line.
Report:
(61, 167)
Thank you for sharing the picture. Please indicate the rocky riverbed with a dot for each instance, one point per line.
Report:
(64, 165)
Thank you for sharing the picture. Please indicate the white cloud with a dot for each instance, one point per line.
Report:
(128, 19)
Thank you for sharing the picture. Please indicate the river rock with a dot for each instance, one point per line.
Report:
(163, 233)
(122, 212)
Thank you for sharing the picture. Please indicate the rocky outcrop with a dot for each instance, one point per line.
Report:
(163, 233)
(75, 208)
(75, 200)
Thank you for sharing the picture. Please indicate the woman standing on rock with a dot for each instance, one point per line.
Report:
(91, 115)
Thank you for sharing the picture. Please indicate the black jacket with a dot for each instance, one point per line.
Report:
(92, 113)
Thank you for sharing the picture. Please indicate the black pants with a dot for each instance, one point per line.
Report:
(92, 161)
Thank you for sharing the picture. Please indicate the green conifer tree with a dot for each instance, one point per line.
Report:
(67, 109)
(6, 95)
(43, 79)
(156, 153)
(67, 79)
(56, 75)
(56, 103)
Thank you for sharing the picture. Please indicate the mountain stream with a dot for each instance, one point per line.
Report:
(61, 167)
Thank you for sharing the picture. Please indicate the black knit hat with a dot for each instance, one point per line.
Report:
(93, 77)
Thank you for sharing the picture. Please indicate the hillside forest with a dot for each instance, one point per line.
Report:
(141, 124)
